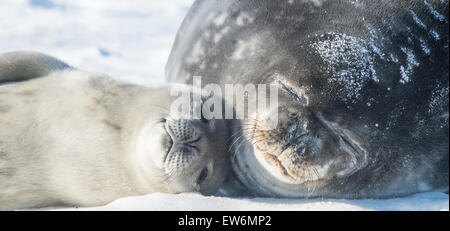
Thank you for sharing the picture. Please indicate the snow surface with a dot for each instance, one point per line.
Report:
(131, 40)
(196, 202)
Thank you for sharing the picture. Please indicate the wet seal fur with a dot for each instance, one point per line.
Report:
(363, 86)
(73, 138)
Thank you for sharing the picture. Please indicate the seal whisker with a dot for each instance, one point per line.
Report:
(237, 148)
(245, 129)
(236, 140)
(234, 135)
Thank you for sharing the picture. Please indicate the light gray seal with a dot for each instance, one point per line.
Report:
(363, 92)
(74, 138)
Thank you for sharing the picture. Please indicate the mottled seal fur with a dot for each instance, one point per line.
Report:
(363, 92)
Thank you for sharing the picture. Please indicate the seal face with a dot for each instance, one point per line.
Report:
(362, 85)
(189, 154)
(75, 138)
(188, 146)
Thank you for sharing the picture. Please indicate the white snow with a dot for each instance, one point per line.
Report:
(417, 20)
(411, 64)
(435, 13)
(131, 40)
(435, 35)
(196, 202)
(424, 46)
(348, 62)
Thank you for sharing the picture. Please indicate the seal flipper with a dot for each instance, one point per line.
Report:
(25, 65)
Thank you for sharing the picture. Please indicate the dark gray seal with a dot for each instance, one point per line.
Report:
(363, 92)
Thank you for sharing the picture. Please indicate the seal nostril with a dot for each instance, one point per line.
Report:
(203, 175)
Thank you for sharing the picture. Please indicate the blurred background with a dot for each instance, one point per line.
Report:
(129, 40)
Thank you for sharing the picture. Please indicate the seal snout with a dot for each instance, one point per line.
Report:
(181, 146)
(182, 131)
(308, 148)
(195, 160)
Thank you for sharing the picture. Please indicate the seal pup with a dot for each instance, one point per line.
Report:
(363, 92)
(74, 138)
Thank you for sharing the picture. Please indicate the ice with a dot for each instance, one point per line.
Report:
(195, 202)
(130, 40)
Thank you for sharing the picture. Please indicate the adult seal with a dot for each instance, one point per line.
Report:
(363, 92)
(74, 138)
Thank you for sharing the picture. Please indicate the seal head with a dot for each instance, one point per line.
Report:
(362, 85)
(184, 154)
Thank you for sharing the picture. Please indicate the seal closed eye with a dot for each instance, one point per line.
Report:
(69, 137)
(363, 93)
